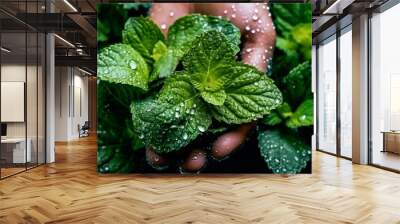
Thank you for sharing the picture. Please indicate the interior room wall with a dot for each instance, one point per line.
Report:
(70, 83)
(16, 72)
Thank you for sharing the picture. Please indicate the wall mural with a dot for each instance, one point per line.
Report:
(204, 88)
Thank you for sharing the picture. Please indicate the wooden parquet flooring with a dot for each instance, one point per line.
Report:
(70, 191)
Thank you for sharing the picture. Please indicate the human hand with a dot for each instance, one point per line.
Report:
(258, 33)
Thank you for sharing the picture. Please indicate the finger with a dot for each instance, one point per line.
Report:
(259, 40)
(229, 142)
(165, 14)
(195, 161)
(155, 160)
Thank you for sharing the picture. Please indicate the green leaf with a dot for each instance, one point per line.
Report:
(159, 49)
(303, 115)
(249, 95)
(184, 32)
(285, 111)
(302, 34)
(174, 119)
(272, 119)
(186, 29)
(298, 83)
(142, 34)
(284, 153)
(215, 98)
(116, 141)
(210, 51)
(120, 63)
(164, 66)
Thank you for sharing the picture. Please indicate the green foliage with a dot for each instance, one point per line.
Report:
(109, 30)
(142, 34)
(120, 63)
(303, 116)
(211, 84)
(238, 93)
(282, 146)
(298, 84)
(116, 139)
(190, 84)
(174, 119)
(285, 153)
(184, 32)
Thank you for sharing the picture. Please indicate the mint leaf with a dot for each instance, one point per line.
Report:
(184, 32)
(172, 120)
(272, 119)
(303, 116)
(120, 63)
(210, 51)
(164, 66)
(284, 110)
(116, 141)
(216, 98)
(243, 93)
(298, 83)
(159, 49)
(284, 153)
(142, 34)
(249, 95)
(186, 29)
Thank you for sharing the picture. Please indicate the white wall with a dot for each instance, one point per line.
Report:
(70, 83)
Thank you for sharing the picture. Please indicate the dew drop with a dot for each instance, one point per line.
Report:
(233, 15)
(247, 28)
(132, 65)
(141, 136)
(249, 50)
(253, 31)
(156, 158)
(185, 136)
(303, 117)
(201, 128)
(259, 21)
(195, 158)
(255, 17)
(171, 14)
(233, 6)
(163, 26)
(225, 11)
(256, 10)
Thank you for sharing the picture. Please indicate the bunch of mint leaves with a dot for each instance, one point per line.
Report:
(165, 93)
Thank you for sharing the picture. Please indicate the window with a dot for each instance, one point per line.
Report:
(346, 92)
(385, 89)
(327, 95)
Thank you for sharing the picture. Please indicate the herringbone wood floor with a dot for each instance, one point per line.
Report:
(70, 191)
